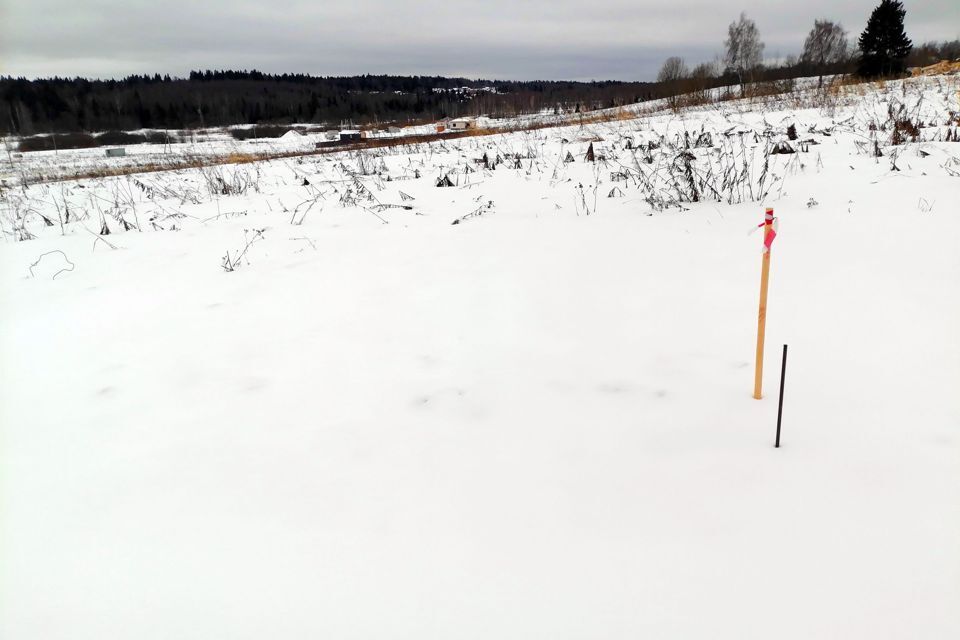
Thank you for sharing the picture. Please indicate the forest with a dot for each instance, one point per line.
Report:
(220, 98)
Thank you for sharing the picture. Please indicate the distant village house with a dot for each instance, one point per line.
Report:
(462, 124)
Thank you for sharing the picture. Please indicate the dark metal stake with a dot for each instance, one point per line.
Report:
(783, 375)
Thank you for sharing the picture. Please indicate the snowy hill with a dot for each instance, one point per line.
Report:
(292, 399)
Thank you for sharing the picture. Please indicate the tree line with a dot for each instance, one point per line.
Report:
(883, 50)
(225, 97)
(220, 98)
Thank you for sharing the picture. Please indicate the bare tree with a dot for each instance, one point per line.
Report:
(744, 48)
(673, 69)
(701, 78)
(672, 74)
(825, 44)
(705, 71)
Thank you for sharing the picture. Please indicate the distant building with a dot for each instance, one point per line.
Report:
(462, 124)
(337, 138)
(116, 153)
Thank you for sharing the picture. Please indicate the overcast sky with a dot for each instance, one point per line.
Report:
(502, 39)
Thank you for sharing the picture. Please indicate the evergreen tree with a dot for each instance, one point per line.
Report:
(884, 46)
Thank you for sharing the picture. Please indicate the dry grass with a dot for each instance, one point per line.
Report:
(941, 68)
(833, 91)
(241, 158)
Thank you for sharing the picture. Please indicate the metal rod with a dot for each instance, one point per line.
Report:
(783, 376)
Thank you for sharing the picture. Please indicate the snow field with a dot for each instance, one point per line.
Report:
(534, 423)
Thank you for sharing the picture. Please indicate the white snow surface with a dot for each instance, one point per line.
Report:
(536, 423)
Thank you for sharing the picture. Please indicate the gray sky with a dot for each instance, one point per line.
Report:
(502, 39)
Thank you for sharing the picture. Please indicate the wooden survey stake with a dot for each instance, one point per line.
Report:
(769, 233)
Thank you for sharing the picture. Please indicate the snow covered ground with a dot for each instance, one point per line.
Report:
(188, 147)
(535, 423)
(216, 144)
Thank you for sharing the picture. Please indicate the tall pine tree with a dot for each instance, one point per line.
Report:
(884, 45)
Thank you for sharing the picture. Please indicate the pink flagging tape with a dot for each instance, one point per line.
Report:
(768, 240)
(770, 222)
